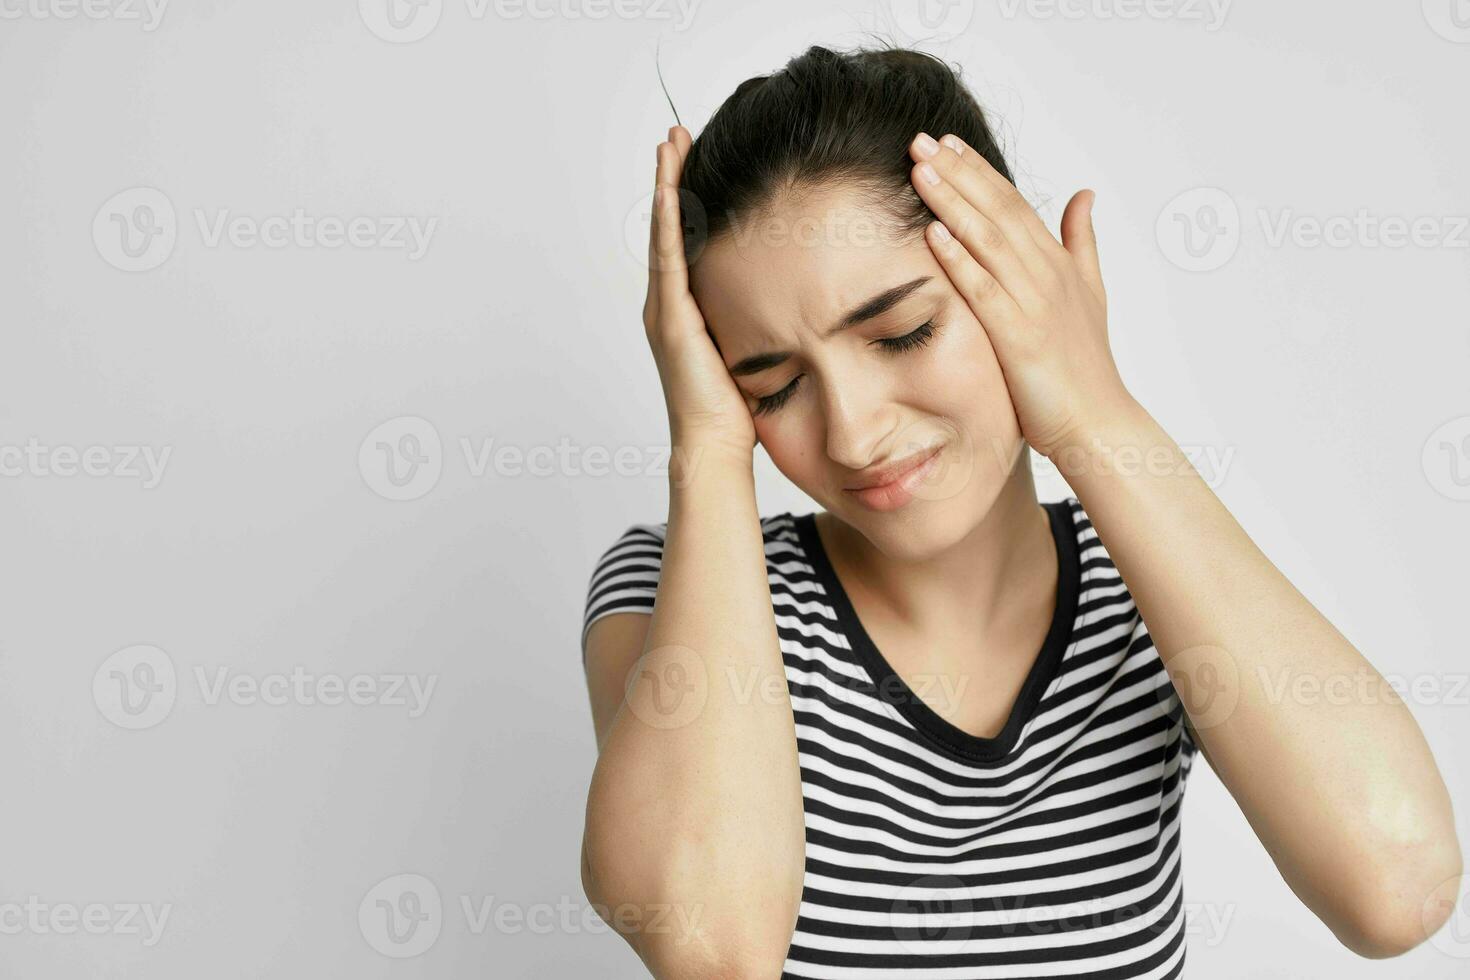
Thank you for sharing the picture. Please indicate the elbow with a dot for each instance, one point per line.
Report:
(695, 894)
(665, 935)
(678, 927)
(1406, 905)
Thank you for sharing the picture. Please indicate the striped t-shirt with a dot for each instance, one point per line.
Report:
(1050, 850)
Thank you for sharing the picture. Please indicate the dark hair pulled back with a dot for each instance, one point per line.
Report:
(828, 118)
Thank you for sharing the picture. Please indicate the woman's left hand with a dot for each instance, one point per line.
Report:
(1040, 301)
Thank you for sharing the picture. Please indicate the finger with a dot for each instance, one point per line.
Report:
(671, 270)
(1080, 239)
(650, 301)
(681, 139)
(976, 164)
(992, 305)
(984, 239)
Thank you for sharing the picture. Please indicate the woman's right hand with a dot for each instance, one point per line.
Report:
(707, 410)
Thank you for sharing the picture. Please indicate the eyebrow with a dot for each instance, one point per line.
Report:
(867, 310)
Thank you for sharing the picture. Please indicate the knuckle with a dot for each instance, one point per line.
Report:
(988, 236)
(1050, 279)
(984, 286)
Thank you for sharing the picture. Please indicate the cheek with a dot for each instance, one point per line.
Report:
(964, 381)
(793, 440)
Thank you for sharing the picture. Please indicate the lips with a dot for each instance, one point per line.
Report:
(894, 472)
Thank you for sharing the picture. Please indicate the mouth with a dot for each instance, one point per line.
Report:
(892, 487)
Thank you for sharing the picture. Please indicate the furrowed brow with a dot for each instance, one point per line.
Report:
(867, 310)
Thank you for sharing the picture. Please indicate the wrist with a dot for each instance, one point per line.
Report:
(695, 464)
(1124, 422)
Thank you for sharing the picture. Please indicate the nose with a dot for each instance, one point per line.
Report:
(859, 422)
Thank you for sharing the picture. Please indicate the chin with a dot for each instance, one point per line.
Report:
(921, 528)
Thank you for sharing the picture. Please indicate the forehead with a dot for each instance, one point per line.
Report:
(799, 265)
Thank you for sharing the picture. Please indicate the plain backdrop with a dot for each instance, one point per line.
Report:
(207, 667)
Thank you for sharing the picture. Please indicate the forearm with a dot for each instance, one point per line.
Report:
(1325, 761)
(696, 797)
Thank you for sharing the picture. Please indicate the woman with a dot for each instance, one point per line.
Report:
(925, 731)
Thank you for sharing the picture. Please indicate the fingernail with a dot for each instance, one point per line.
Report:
(953, 143)
(927, 172)
(926, 145)
(941, 232)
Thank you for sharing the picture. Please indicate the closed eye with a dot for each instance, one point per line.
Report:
(915, 338)
(909, 341)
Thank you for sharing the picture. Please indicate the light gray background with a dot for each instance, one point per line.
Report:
(1328, 382)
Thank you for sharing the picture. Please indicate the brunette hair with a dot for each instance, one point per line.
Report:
(828, 117)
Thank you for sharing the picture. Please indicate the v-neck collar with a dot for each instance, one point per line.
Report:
(892, 689)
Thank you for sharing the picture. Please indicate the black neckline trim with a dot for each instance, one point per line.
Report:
(892, 689)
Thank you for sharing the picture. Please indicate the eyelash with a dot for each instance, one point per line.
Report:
(909, 341)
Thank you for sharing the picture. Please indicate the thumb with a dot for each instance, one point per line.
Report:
(1080, 239)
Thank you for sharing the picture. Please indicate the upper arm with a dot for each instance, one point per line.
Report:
(619, 607)
(614, 644)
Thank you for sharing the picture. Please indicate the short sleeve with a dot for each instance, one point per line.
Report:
(625, 576)
(1141, 640)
